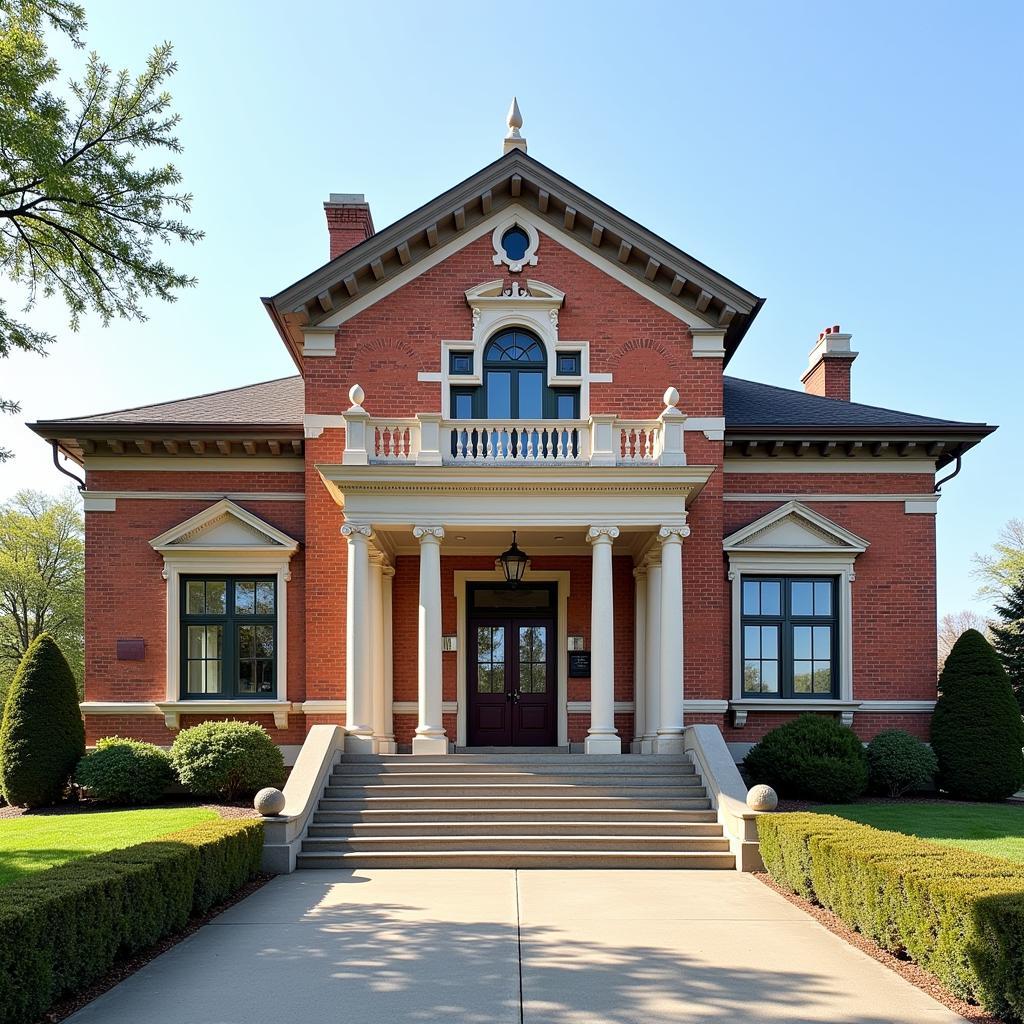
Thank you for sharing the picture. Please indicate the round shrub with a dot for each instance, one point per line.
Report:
(226, 759)
(899, 762)
(977, 731)
(122, 771)
(810, 758)
(42, 737)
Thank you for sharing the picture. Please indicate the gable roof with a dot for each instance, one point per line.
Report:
(511, 180)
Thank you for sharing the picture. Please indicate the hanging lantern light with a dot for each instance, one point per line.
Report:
(513, 562)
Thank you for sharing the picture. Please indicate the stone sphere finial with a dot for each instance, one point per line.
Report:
(671, 397)
(762, 798)
(356, 394)
(269, 802)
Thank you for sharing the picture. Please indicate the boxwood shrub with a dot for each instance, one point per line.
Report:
(899, 762)
(122, 771)
(959, 915)
(63, 928)
(226, 759)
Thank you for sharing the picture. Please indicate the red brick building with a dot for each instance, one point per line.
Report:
(514, 356)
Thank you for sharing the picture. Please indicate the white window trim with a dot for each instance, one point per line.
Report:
(268, 554)
(533, 244)
(561, 578)
(789, 564)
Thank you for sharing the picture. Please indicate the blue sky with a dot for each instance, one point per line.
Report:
(857, 164)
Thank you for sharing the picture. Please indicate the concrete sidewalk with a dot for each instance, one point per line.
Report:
(497, 946)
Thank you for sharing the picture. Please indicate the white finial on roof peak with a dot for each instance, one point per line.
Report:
(513, 140)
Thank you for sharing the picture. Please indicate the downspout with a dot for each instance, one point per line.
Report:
(939, 483)
(60, 469)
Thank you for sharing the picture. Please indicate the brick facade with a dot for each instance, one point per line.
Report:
(385, 349)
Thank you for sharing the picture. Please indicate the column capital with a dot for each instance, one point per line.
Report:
(640, 571)
(673, 534)
(388, 570)
(350, 530)
(428, 534)
(602, 534)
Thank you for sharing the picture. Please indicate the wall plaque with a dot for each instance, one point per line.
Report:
(579, 664)
(131, 650)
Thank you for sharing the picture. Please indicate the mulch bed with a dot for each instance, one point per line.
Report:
(125, 968)
(906, 969)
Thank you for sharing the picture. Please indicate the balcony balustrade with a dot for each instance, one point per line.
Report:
(428, 439)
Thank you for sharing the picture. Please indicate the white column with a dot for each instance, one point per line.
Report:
(602, 737)
(639, 657)
(652, 686)
(389, 746)
(430, 737)
(358, 670)
(670, 728)
(383, 736)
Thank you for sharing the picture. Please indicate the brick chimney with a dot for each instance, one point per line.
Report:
(348, 221)
(828, 371)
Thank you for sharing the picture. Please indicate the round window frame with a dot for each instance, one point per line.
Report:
(529, 258)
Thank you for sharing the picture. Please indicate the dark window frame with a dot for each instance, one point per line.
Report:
(231, 621)
(786, 621)
(575, 362)
(453, 356)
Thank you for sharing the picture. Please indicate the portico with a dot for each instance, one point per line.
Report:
(579, 527)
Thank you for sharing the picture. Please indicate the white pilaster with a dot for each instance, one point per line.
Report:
(430, 736)
(602, 737)
(358, 668)
(652, 682)
(639, 657)
(383, 734)
(670, 729)
(389, 746)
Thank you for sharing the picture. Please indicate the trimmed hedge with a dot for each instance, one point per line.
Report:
(959, 915)
(63, 928)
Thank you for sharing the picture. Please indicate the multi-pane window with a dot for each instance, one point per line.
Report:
(789, 636)
(490, 659)
(229, 637)
(533, 659)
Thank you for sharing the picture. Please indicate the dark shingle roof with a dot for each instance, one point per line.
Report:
(750, 404)
(271, 402)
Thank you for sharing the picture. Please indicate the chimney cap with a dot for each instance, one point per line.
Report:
(346, 199)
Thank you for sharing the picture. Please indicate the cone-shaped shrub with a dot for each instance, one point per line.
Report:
(42, 737)
(977, 731)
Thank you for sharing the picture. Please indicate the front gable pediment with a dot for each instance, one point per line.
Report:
(515, 184)
(794, 528)
(224, 527)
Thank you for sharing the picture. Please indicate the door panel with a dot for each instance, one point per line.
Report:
(511, 682)
(490, 720)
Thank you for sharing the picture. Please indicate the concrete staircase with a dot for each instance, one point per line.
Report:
(540, 810)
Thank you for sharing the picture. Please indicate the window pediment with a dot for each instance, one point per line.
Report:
(794, 528)
(224, 526)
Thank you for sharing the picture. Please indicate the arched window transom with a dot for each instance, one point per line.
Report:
(515, 346)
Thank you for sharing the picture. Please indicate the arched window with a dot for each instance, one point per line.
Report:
(515, 371)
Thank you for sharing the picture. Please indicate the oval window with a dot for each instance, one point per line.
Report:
(515, 242)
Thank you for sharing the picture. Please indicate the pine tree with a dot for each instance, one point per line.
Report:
(1008, 636)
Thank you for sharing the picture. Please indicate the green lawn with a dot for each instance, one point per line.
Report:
(994, 829)
(38, 841)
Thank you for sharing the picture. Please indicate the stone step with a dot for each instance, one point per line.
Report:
(524, 803)
(484, 825)
(549, 757)
(527, 790)
(529, 844)
(514, 769)
(447, 817)
(520, 859)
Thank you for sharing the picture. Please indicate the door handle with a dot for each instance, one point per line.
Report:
(514, 696)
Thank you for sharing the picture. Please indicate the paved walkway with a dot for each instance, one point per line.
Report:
(507, 947)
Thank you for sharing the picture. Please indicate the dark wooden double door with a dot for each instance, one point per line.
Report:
(511, 676)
